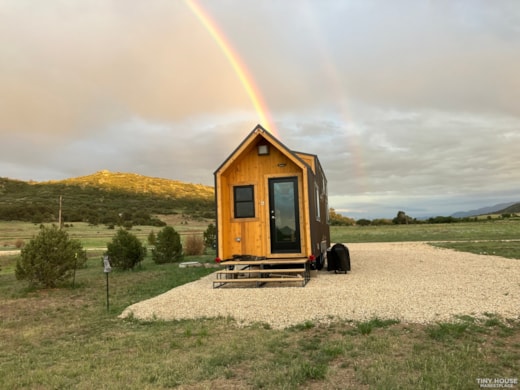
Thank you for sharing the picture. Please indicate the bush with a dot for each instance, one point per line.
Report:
(125, 250)
(381, 222)
(337, 219)
(210, 236)
(19, 243)
(194, 245)
(151, 238)
(363, 222)
(49, 258)
(168, 247)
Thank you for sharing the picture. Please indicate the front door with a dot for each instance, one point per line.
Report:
(284, 215)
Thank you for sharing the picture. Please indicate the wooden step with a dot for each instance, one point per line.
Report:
(253, 271)
(276, 261)
(264, 271)
(259, 281)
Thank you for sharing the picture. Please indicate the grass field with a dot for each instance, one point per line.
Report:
(66, 337)
(94, 236)
(468, 231)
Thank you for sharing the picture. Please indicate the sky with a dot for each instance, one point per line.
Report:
(410, 105)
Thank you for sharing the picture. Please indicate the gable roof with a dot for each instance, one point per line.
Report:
(260, 133)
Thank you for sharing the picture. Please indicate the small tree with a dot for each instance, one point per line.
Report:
(363, 222)
(125, 250)
(337, 219)
(151, 238)
(210, 236)
(402, 219)
(168, 247)
(49, 258)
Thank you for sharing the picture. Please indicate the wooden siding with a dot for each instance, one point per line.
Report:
(252, 235)
(244, 167)
(309, 159)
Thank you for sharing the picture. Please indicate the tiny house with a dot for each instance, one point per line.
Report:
(271, 202)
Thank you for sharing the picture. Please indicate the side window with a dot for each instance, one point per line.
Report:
(318, 216)
(244, 201)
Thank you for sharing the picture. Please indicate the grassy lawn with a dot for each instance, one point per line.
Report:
(66, 338)
(93, 236)
(509, 249)
(501, 238)
(467, 231)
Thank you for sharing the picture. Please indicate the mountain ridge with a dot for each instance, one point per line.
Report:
(104, 197)
(137, 183)
(497, 208)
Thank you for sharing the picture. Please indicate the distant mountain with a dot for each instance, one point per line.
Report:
(498, 208)
(515, 208)
(104, 197)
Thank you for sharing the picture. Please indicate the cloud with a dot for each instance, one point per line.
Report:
(73, 68)
(409, 105)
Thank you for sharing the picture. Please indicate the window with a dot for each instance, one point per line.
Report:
(244, 198)
(318, 216)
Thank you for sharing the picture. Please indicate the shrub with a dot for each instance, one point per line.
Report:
(49, 258)
(194, 245)
(151, 238)
(337, 219)
(210, 236)
(168, 247)
(125, 250)
(381, 221)
(19, 243)
(363, 222)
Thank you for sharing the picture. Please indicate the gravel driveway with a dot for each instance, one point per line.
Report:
(412, 282)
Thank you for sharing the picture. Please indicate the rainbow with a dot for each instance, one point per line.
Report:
(239, 68)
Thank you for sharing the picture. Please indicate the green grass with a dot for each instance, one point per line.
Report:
(368, 326)
(66, 338)
(493, 230)
(509, 249)
(91, 236)
(500, 238)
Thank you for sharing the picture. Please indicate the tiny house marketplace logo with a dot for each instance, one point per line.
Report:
(497, 383)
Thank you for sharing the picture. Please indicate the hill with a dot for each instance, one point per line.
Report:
(138, 184)
(513, 209)
(497, 209)
(104, 197)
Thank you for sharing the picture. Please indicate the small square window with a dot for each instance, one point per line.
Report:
(263, 149)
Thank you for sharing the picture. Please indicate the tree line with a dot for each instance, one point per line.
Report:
(402, 218)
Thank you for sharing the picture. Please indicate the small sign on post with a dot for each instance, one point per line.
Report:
(107, 270)
(106, 263)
